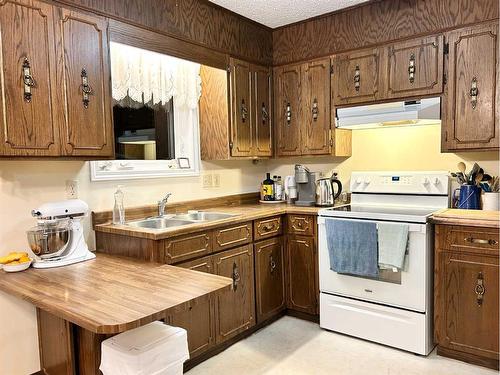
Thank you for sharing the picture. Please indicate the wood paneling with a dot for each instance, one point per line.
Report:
(316, 102)
(28, 127)
(473, 57)
(262, 110)
(241, 113)
(196, 21)
(268, 227)
(426, 55)
(288, 107)
(235, 309)
(235, 235)
(374, 23)
(187, 247)
(134, 247)
(214, 114)
(88, 129)
(269, 278)
(364, 64)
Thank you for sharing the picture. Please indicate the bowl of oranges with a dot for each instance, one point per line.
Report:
(15, 262)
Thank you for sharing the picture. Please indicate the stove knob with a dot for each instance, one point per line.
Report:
(425, 181)
(368, 181)
(436, 181)
(359, 181)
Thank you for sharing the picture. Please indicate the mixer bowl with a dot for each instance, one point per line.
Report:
(48, 241)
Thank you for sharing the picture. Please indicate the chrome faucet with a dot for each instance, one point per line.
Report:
(162, 204)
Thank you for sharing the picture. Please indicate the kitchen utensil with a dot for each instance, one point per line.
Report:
(469, 197)
(58, 238)
(478, 178)
(487, 178)
(472, 175)
(462, 168)
(325, 192)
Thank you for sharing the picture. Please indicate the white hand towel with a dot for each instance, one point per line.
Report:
(392, 244)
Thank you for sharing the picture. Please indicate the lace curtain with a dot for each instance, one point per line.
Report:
(151, 78)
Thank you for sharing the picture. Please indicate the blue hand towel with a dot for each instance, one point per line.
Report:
(392, 244)
(352, 246)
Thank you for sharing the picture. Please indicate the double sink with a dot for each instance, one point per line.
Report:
(172, 221)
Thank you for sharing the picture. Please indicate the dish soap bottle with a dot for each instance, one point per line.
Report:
(267, 189)
(118, 209)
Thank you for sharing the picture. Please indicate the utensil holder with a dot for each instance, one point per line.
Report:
(490, 201)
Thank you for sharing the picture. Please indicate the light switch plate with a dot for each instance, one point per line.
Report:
(207, 181)
(216, 180)
(71, 189)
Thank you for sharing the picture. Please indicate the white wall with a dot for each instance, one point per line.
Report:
(25, 184)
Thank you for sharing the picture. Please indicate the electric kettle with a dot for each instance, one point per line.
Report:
(325, 195)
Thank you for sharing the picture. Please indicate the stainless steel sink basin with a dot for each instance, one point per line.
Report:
(159, 223)
(203, 216)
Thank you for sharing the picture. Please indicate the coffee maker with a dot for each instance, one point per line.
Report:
(306, 185)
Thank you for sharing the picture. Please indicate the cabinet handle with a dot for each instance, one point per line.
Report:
(357, 78)
(265, 114)
(480, 289)
(236, 276)
(288, 113)
(315, 109)
(481, 241)
(473, 93)
(268, 227)
(86, 88)
(272, 264)
(28, 80)
(411, 68)
(244, 111)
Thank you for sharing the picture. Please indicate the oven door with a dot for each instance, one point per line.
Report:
(408, 288)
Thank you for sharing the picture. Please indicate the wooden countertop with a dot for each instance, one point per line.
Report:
(110, 294)
(243, 213)
(475, 218)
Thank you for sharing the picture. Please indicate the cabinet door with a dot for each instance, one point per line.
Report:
(235, 309)
(269, 278)
(471, 108)
(415, 67)
(85, 75)
(356, 77)
(288, 110)
(197, 316)
(241, 122)
(467, 304)
(301, 273)
(316, 98)
(261, 107)
(28, 85)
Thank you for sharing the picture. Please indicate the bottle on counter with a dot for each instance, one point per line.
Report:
(278, 188)
(119, 209)
(267, 189)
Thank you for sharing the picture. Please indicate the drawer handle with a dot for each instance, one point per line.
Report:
(272, 264)
(268, 227)
(28, 80)
(480, 289)
(481, 241)
(236, 276)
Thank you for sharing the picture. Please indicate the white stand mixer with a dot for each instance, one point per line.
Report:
(58, 239)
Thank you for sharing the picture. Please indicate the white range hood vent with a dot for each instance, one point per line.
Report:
(409, 113)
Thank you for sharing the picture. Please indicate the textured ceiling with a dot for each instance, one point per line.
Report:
(275, 13)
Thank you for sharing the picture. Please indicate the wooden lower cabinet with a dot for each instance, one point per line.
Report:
(301, 274)
(466, 313)
(235, 309)
(269, 278)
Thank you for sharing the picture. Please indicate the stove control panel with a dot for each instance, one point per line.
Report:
(424, 183)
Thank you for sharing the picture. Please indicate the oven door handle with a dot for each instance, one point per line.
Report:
(412, 227)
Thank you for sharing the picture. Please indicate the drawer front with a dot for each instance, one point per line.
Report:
(266, 228)
(187, 247)
(301, 225)
(204, 264)
(232, 236)
(467, 239)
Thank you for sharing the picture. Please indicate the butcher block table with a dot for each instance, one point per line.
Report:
(80, 305)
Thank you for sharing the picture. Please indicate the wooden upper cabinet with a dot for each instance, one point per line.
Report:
(316, 115)
(471, 115)
(261, 108)
(241, 114)
(356, 77)
(87, 129)
(288, 110)
(415, 67)
(29, 95)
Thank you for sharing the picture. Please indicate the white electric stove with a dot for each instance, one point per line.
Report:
(395, 308)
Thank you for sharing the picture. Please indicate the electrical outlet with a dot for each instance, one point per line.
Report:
(71, 189)
(207, 181)
(216, 180)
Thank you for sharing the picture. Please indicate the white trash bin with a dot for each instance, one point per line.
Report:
(153, 349)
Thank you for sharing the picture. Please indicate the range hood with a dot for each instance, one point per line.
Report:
(409, 113)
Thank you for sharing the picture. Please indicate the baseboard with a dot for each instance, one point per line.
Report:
(304, 316)
(469, 358)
